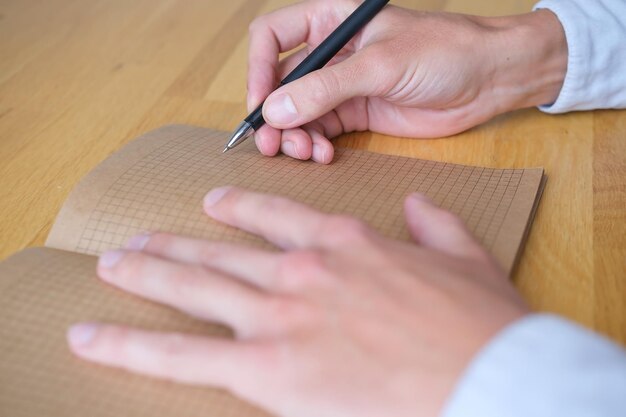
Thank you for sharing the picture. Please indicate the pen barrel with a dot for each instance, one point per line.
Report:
(255, 119)
(337, 40)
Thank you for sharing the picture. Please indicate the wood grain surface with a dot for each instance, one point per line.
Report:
(79, 79)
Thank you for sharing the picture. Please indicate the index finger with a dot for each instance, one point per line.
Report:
(271, 34)
(284, 222)
(183, 358)
(283, 30)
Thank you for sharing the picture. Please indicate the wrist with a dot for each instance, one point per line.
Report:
(529, 60)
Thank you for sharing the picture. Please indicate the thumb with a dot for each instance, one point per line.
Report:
(317, 93)
(439, 229)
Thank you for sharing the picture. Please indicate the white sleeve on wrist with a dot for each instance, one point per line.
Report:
(596, 39)
(543, 366)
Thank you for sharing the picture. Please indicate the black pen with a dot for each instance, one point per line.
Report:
(316, 60)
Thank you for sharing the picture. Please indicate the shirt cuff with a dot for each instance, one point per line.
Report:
(543, 365)
(595, 33)
(579, 48)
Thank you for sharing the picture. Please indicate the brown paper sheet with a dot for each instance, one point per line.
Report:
(157, 182)
(42, 292)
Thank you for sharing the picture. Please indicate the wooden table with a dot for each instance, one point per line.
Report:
(79, 79)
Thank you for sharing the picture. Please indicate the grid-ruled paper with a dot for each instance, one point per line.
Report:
(158, 182)
(42, 293)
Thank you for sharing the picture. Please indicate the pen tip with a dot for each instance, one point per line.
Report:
(226, 149)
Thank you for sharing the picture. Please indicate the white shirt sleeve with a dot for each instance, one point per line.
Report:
(543, 366)
(596, 39)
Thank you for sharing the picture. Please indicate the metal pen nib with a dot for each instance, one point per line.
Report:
(243, 131)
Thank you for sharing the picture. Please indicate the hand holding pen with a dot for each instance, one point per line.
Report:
(314, 61)
(406, 73)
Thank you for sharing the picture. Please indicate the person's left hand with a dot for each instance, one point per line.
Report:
(341, 322)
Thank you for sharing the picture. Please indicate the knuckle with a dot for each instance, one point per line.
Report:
(389, 52)
(269, 354)
(285, 311)
(300, 268)
(114, 336)
(159, 241)
(186, 282)
(172, 350)
(342, 229)
(303, 259)
(212, 250)
(130, 266)
(275, 204)
(325, 86)
(232, 195)
(257, 24)
(305, 269)
(265, 203)
(384, 59)
(230, 201)
(344, 7)
(115, 342)
(173, 346)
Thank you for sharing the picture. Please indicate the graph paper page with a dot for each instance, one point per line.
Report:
(42, 292)
(157, 182)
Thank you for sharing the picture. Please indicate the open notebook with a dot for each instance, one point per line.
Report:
(157, 182)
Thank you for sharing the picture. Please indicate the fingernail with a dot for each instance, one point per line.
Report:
(318, 154)
(281, 109)
(290, 148)
(138, 242)
(215, 195)
(80, 335)
(110, 258)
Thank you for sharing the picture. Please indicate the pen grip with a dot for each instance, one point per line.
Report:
(255, 119)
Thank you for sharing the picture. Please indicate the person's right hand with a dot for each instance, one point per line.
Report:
(406, 73)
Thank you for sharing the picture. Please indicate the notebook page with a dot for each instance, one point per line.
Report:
(42, 292)
(157, 182)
